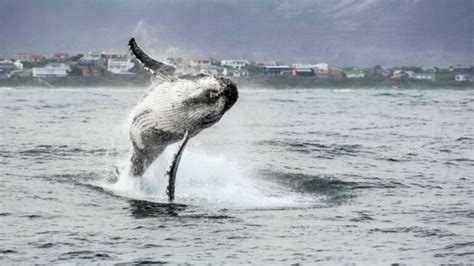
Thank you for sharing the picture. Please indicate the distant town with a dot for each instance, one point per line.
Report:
(109, 69)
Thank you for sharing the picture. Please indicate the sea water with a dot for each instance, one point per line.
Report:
(287, 176)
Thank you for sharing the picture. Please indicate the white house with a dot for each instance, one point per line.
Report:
(319, 67)
(91, 56)
(398, 73)
(51, 70)
(18, 65)
(460, 68)
(425, 76)
(238, 64)
(92, 59)
(120, 66)
(462, 77)
(354, 74)
(298, 65)
(322, 67)
(410, 73)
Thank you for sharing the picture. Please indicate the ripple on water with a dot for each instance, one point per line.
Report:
(317, 150)
(59, 151)
(7, 251)
(142, 262)
(417, 231)
(84, 255)
(457, 249)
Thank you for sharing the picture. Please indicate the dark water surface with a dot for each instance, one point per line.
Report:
(287, 176)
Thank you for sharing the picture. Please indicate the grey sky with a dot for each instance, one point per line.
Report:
(341, 32)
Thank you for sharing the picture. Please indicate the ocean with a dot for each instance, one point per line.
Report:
(365, 176)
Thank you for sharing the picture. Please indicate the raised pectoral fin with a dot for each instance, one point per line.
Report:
(173, 168)
(150, 64)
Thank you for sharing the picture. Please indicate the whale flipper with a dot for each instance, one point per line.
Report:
(171, 173)
(150, 64)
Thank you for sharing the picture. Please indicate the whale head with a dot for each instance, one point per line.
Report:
(209, 98)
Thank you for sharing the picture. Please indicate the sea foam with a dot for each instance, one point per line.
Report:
(202, 180)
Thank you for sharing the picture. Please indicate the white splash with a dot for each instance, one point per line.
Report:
(205, 181)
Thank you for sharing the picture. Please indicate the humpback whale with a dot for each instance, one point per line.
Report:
(174, 108)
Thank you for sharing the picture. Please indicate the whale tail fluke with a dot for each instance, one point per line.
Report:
(150, 64)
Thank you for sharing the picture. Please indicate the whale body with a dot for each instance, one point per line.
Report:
(174, 108)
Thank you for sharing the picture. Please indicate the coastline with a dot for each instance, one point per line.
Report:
(277, 82)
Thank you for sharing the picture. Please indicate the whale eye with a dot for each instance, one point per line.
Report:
(213, 94)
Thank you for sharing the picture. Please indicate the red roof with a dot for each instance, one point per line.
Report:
(61, 54)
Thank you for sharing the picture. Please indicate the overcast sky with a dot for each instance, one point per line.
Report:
(340, 32)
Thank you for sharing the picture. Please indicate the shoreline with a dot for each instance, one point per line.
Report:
(276, 82)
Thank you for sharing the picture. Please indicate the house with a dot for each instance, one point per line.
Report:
(92, 60)
(302, 72)
(120, 66)
(239, 64)
(425, 76)
(331, 73)
(398, 73)
(51, 70)
(114, 56)
(354, 73)
(23, 57)
(7, 69)
(460, 69)
(18, 65)
(275, 70)
(92, 71)
(322, 67)
(335, 73)
(92, 65)
(317, 67)
(38, 58)
(379, 71)
(199, 61)
(61, 56)
(299, 65)
(30, 58)
(462, 77)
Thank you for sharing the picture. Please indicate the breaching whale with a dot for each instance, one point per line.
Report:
(174, 108)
